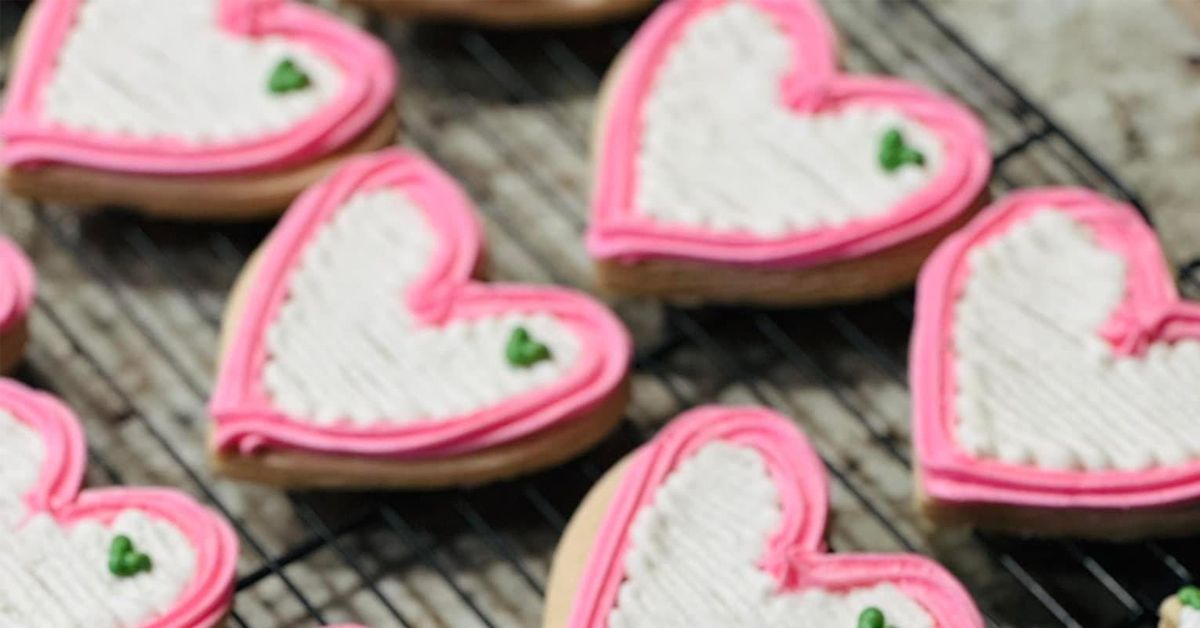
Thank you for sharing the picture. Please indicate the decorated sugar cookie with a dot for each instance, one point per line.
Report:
(737, 164)
(1181, 610)
(16, 295)
(512, 13)
(1054, 374)
(719, 521)
(360, 350)
(101, 558)
(189, 108)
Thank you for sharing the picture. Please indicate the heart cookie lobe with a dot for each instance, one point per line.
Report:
(1050, 369)
(719, 521)
(737, 164)
(175, 559)
(17, 286)
(362, 351)
(194, 108)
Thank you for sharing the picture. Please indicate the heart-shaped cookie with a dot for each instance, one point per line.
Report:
(1053, 370)
(59, 541)
(16, 295)
(719, 521)
(360, 351)
(178, 107)
(735, 163)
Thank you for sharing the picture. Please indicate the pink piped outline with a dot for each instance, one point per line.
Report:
(17, 284)
(621, 231)
(247, 420)
(369, 75)
(1152, 311)
(209, 593)
(795, 555)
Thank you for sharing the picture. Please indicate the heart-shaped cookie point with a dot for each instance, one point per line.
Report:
(167, 106)
(110, 557)
(736, 163)
(1050, 364)
(719, 521)
(362, 344)
(16, 297)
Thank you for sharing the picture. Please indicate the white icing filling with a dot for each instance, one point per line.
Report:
(1038, 385)
(55, 576)
(695, 553)
(346, 347)
(1189, 618)
(720, 148)
(155, 69)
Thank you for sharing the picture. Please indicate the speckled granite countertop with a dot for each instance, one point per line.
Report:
(1123, 76)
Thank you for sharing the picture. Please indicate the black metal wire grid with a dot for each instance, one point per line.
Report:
(510, 115)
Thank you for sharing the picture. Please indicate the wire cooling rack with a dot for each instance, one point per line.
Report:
(128, 310)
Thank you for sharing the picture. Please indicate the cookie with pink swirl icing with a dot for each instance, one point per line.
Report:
(98, 558)
(735, 163)
(720, 521)
(16, 296)
(213, 109)
(360, 349)
(1053, 369)
(512, 13)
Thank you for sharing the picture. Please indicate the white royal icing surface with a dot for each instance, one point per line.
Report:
(55, 576)
(345, 346)
(722, 150)
(1036, 382)
(1189, 618)
(695, 551)
(167, 70)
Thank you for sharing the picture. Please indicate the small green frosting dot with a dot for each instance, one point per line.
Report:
(895, 153)
(871, 618)
(287, 77)
(1190, 596)
(523, 350)
(124, 560)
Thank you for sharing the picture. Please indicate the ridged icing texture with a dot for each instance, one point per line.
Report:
(696, 550)
(57, 575)
(731, 137)
(1038, 384)
(720, 521)
(393, 348)
(384, 364)
(168, 70)
(722, 149)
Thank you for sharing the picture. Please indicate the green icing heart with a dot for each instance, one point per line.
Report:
(523, 350)
(124, 560)
(1190, 596)
(895, 153)
(287, 77)
(871, 618)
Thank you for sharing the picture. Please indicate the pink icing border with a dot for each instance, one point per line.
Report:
(17, 284)
(1152, 311)
(208, 595)
(247, 420)
(795, 556)
(621, 231)
(370, 82)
